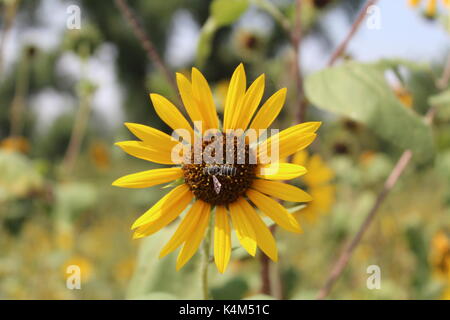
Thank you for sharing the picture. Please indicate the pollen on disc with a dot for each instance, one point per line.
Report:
(235, 176)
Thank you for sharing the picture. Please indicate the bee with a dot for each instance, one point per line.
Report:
(219, 170)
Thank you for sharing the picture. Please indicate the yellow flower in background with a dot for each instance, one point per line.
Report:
(319, 186)
(242, 189)
(430, 6)
(366, 158)
(220, 94)
(124, 269)
(16, 144)
(440, 255)
(446, 293)
(404, 96)
(99, 155)
(86, 268)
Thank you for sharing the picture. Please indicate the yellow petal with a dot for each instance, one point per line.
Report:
(244, 230)
(190, 103)
(236, 91)
(222, 239)
(264, 237)
(168, 207)
(152, 137)
(281, 190)
(195, 238)
(169, 113)
(269, 111)
(141, 150)
(274, 211)
(149, 178)
(280, 171)
(202, 93)
(248, 104)
(185, 229)
(287, 147)
(290, 140)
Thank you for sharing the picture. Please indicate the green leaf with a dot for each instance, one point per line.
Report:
(259, 297)
(441, 99)
(360, 92)
(154, 276)
(225, 12)
(395, 63)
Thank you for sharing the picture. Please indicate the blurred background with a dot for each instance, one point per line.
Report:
(65, 93)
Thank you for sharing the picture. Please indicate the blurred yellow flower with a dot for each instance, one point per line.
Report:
(430, 6)
(404, 96)
(440, 255)
(367, 157)
(99, 155)
(247, 183)
(86, 268)
(17, 144)
(220, 93)
(124, 269)
(446, 293)
(318, 181)
(64, 239)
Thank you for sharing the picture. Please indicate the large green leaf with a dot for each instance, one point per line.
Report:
(360, 92)
(440, 100)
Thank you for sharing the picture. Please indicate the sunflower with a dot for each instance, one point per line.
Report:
(319, 186)
(440, 255)
(430, 6)
(245, 183)
(17, 144)
(404, 96)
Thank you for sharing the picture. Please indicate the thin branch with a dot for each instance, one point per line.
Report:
(442, 83)
(145, 41)
(8, 17)
(350, 247)
(340, 50)
(266, 286)
(271, 282)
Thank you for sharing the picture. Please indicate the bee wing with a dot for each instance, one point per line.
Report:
(217, 184)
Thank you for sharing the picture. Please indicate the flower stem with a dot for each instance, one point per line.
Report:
(205, 262)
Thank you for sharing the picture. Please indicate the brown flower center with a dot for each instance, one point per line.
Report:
(220, 180)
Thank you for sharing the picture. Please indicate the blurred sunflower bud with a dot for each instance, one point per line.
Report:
(320, 4)
(82, 41)
(99, 155)
(249, 45)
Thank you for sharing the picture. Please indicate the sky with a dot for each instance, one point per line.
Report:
(403, 33)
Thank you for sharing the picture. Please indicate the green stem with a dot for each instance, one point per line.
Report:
(205, 262)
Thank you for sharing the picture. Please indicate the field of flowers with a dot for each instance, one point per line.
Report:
(371, 129)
